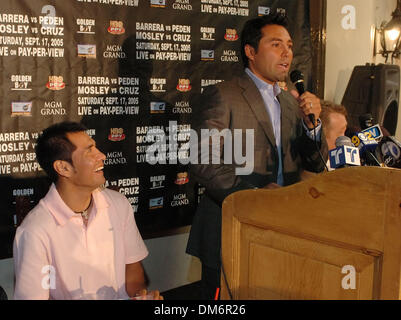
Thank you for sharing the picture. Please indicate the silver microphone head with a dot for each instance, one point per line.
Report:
(344, 141)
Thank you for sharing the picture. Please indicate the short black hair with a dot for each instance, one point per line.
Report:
(53, 145)
(252, 31)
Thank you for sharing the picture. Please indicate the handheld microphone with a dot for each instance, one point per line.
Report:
(345, 154)
(390, 149)
(297, 79)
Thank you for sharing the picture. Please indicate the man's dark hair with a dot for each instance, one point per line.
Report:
(53, 145)
(252, 31)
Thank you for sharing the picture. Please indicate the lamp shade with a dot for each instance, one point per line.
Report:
(391, 34)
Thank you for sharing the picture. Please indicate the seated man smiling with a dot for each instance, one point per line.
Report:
(80, 241)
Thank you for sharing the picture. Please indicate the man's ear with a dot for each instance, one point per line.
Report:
(63, 168)
(250, 52)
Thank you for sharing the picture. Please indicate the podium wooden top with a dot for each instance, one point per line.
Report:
(339, 204)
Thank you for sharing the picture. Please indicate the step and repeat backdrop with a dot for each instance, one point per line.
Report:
(125, 68)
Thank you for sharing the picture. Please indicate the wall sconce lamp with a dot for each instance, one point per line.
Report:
(390, 35)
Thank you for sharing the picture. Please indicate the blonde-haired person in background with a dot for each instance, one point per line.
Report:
(334, 122)
(334, 125)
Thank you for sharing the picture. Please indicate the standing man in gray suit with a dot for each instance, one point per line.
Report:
(283, 138)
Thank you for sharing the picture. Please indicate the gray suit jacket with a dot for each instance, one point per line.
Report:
(238, 104)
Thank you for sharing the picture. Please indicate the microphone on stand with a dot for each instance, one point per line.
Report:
(345, 154)
(366, 145)
(366, 123)
(390, 151)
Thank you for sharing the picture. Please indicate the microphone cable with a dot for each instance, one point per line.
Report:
(297, 79)
(318, 148)
(225, 277)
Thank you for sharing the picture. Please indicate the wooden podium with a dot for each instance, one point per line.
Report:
(306, 240)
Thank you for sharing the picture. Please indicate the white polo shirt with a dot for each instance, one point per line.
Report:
(57, 257)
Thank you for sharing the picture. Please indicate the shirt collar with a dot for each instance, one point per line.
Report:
(61, 212)
(262, 85)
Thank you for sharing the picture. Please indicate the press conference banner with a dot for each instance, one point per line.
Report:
(124, 68)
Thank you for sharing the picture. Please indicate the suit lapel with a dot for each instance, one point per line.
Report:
(256, 103)
(286, 120)
(286, 112)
